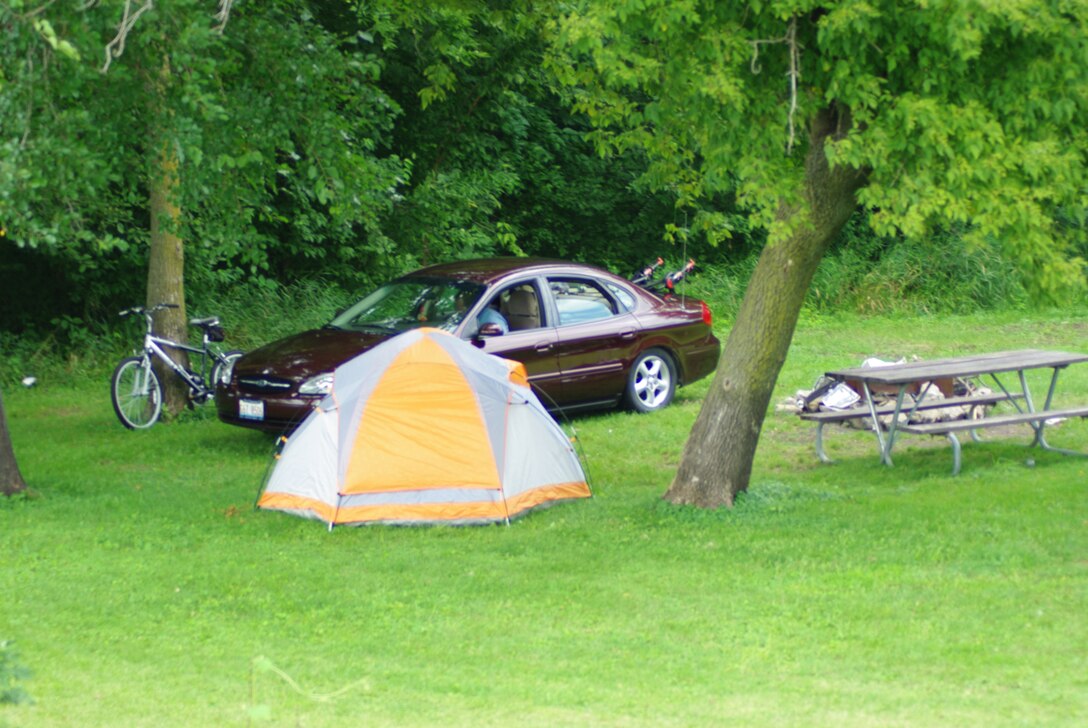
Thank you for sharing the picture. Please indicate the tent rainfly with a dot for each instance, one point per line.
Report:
(423, 429)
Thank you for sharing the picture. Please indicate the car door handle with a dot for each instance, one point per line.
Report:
(544, 346)
(627, 334)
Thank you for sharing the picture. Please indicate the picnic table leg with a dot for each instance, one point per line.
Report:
(1008, 395)
(1040, 437)
(894, 426)
(1039, 426)
(820, 444)
(1026, 391)
(1061, 450)
(971, 414)
(955, 452)
(886, 444)
(975, 413)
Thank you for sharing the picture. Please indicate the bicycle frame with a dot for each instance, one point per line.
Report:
(197, 381)
(136, 387)
(153, 346)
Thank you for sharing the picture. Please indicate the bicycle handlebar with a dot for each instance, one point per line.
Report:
(647, 273)
(673, 278)
(667, 284)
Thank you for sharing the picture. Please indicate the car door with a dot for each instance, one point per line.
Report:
(531, 337)
(597, 337)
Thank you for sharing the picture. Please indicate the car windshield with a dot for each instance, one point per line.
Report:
(410, 303)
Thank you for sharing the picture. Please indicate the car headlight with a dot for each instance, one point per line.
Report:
(227, 371)
(321, 384)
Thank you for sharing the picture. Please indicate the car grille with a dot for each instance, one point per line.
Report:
(264, 385)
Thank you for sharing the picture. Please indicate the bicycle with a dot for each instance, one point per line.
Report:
(665, 287)
(135, 388)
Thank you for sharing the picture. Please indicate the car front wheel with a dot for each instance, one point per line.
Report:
(651, 381)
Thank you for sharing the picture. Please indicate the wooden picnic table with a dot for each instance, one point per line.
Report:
(919, 376)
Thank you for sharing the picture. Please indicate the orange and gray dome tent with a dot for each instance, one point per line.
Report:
(424, 429)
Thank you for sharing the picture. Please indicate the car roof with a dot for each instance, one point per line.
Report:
(489, 270)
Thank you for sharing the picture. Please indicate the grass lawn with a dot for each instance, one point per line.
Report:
(142, 589)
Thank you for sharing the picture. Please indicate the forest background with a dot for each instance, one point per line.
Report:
(313, 150)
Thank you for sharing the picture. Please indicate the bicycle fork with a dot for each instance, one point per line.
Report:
(140, 383)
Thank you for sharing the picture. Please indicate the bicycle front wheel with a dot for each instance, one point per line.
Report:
(229, 357)
(136, 393)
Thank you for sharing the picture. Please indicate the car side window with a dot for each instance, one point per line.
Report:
(520, 306)
(579, 300)
(624, 298)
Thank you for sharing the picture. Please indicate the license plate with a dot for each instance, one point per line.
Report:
(250, 409)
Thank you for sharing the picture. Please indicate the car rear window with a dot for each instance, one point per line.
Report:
(579, 300)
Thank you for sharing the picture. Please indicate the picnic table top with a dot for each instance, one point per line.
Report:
(960, 366)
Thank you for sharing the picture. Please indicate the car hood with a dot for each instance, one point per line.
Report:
(307, 354)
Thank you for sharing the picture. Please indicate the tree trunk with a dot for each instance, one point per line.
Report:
(717, 460)
(11, 480)
(166, 263)
(166, 276)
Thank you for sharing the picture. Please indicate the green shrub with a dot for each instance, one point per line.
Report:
(251, 315)
(870, 275)
(256, 314)
(866, 274)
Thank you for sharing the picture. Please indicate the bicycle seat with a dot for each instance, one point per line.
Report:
(205, 322)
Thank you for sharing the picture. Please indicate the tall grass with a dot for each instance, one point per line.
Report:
(251, 315)
(868, 275)
(943, 276)
(254, 315)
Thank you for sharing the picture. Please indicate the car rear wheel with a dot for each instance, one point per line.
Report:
(651, 381)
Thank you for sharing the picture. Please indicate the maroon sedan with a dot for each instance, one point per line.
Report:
(587, 338)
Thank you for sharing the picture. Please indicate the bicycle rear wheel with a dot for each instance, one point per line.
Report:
(136, 393)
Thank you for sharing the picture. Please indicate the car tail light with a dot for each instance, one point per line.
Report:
(707, 317)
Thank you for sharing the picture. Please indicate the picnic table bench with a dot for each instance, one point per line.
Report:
(919, 376)
(823, 417)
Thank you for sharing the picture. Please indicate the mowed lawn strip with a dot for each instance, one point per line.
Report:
(142, 589)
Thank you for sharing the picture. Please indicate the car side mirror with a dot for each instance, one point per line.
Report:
(486, 331)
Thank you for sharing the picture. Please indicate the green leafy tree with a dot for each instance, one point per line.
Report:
(308, 141)
(145, 132)
(927, 113)
(433, 125)
(499, 163)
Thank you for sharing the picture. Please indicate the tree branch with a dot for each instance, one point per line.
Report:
(223, 15)
(29, 100)
(790, 39)
(36, 11)
(116, 47)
